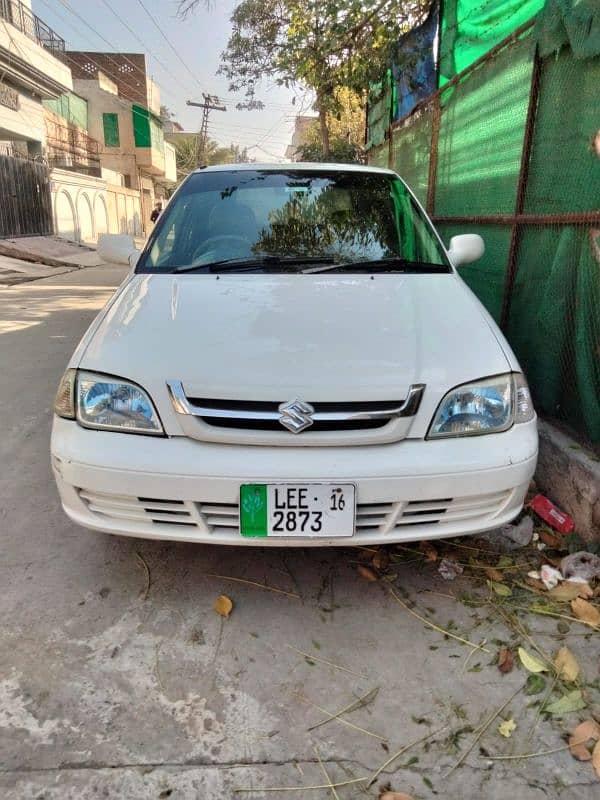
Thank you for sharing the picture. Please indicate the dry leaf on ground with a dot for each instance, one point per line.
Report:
(589, 729)
(507, 728)
(505, 659)
(366, 573)
(535, 583)
(223, 605)
(551, 539)
(501, 589)
(494, 574)
(566, 664)
(531, 663)
(429, 551)
(395, 796)
(381, 560)
(569, 590)
(596, 758)
(585, 611)
(573, 701)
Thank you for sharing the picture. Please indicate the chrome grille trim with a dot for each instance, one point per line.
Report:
(183, 405)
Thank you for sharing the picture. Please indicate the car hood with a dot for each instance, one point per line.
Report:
(319, 337)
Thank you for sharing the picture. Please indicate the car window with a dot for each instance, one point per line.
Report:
(347, 217)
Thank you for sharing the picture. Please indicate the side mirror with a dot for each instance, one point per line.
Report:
(117, 248)
(466, 248)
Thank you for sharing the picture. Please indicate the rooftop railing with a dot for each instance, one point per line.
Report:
(31, 25)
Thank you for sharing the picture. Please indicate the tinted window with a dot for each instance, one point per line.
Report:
(345, 216)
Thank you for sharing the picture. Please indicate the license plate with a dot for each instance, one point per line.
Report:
(297, 509)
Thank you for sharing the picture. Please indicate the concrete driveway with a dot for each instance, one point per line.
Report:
(119, 680)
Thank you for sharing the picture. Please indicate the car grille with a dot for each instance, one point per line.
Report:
(318, 423)
(239, 422)
(376, 518)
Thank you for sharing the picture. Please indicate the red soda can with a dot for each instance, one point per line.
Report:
(556, 518)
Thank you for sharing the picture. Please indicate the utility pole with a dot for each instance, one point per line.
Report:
(211, 103)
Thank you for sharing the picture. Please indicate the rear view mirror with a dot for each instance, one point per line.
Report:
(466, 248)
(117, 248)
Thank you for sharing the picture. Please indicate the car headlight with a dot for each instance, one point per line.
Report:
(490, 405)
(106, 403)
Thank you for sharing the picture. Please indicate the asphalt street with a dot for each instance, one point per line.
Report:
(119, 680)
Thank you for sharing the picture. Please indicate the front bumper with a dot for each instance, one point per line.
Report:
(184, 490)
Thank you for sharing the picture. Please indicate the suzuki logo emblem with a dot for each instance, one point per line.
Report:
(296, 415)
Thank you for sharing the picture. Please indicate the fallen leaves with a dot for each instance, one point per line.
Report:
(367, 573)
(534, 685)
(395, 796)
(381, 560)
(223, 606)
(585, 612)
(494, 574)
(596, 758)
(583, 733)
(429, 551)
(505, 659)
(501, 589)
(566, 665)
(507, 728)
(550, 539)
(531, 663)
(573, 701)
(569, 590)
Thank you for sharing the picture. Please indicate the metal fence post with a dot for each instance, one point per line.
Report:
(433, 154)
(512, 265)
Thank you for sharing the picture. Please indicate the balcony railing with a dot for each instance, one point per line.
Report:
(68, 147)
(27, 22)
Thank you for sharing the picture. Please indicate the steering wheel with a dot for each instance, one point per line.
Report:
(209, 244)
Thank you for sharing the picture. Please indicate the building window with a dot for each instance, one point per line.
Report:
(111, 129)
(127, 181)
(141, 126)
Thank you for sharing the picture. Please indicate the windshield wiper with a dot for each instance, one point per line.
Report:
(254, 262)
(394, 264)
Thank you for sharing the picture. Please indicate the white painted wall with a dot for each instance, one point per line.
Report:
(27, 123)
(30, 51)
(84, 207)
(170, 163)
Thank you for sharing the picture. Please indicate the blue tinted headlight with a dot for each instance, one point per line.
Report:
(486, 406)
(115, 405)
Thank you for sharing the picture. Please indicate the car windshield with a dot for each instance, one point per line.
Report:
(292, 220)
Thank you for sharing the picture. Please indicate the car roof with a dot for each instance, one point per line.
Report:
(301, 166)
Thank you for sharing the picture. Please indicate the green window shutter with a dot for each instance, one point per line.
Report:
(79, 112)
(111, 129)
(141, 126)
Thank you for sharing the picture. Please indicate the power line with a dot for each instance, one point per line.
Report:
(68, 8)
(137, 38)
(147, 49)
(168, 41)
(104, 39)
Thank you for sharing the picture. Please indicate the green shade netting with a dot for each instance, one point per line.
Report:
(472, 27)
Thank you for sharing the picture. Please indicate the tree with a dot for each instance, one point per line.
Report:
(186, 153)
(324, 45)
(346, 132)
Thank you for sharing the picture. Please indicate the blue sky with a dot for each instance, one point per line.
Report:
(199, 40)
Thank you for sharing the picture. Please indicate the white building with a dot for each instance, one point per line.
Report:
(30, 71)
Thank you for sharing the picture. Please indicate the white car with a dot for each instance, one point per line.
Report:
(293, 360)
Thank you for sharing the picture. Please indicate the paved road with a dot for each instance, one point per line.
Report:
(111, 689)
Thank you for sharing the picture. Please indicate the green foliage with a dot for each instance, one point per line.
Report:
(340, 151)
(323, 45)
(187, 153)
